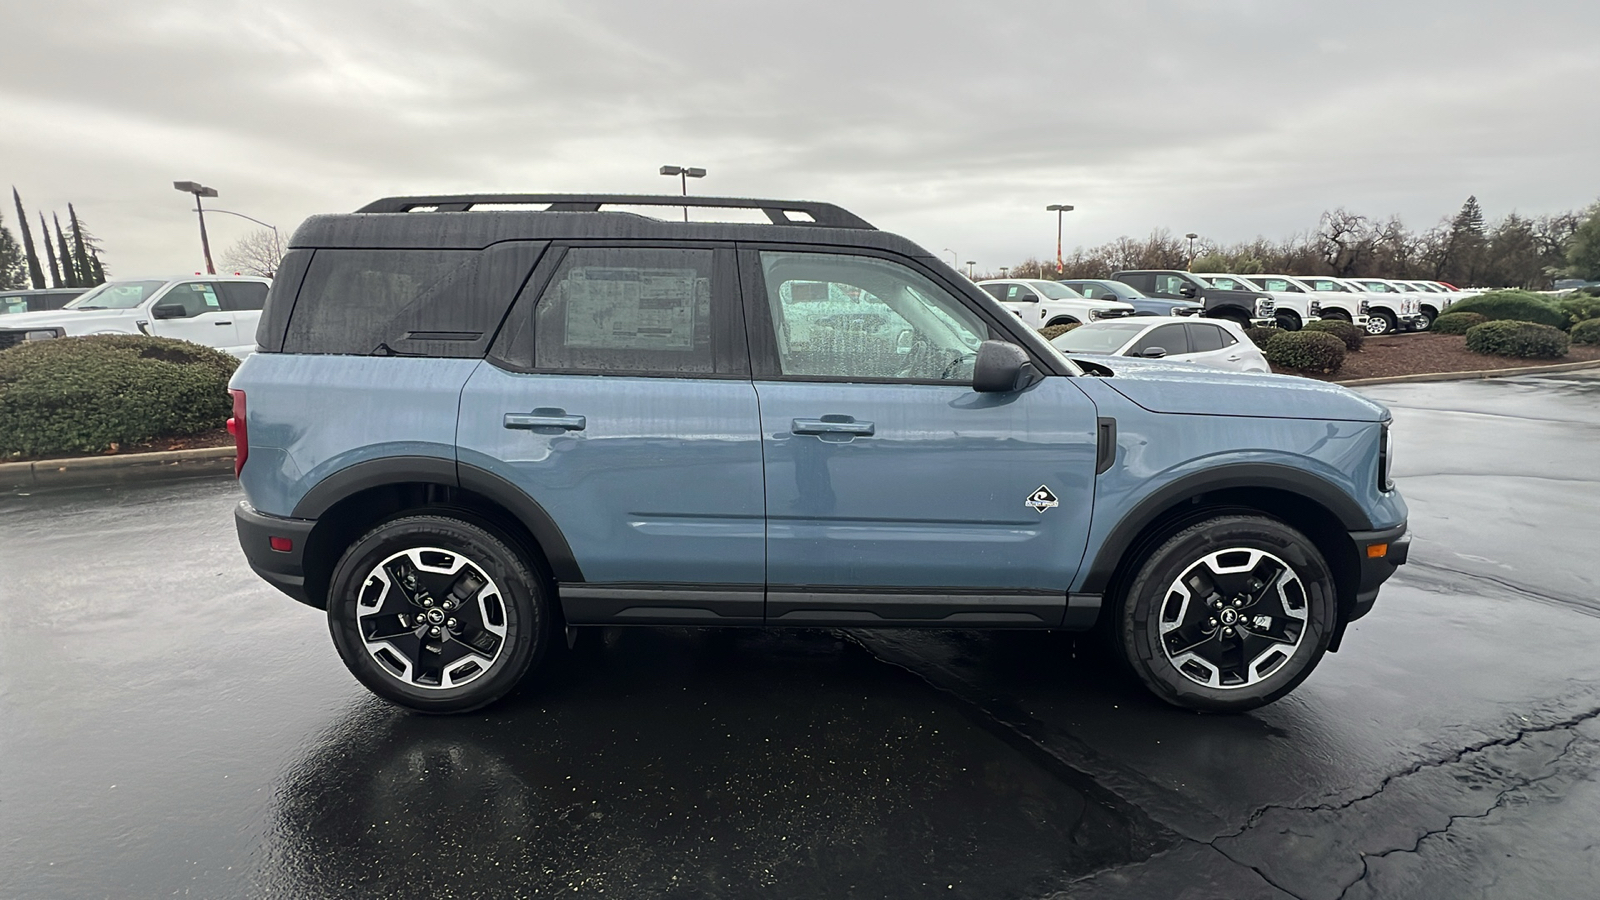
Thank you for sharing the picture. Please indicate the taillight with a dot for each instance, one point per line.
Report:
(241, 435)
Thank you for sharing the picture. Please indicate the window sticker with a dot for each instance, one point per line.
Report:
(626, 308)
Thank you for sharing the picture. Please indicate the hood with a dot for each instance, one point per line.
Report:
(1189, 389)
(75, 321)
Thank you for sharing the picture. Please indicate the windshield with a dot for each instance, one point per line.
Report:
(1098, 337)
(116, 295)
(1053, 290)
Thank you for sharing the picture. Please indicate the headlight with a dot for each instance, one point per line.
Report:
(1315, 307)
(1264, 307)
(1386, 459)
(1364, 307)
(43, 334)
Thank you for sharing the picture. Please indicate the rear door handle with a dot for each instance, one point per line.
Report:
(832, 425)
(546, 418)
(229, 322)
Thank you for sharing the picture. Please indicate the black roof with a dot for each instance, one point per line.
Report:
(475, 221)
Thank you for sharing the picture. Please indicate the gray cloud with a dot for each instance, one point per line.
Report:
(953, 123)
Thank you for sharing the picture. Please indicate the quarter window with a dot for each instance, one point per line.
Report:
(858, 317)
(637, 310)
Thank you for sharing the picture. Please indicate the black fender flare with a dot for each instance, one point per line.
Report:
(1275, 476)
(376, 473)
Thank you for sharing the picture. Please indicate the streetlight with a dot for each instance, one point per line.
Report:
(199, 190)
(1058, 209)
(277, 243)
(970, 264)
(1005, 271)
(953, 258)
(684, 173)
(1191, 236)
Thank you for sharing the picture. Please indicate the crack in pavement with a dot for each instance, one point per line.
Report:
(1418, 572)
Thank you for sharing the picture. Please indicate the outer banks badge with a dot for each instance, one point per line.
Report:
(1043, 499)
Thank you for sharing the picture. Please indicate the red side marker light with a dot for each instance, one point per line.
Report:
(241, 435)
(280, 544)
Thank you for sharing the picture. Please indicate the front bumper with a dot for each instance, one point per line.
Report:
(1379, 553)
(283, 569)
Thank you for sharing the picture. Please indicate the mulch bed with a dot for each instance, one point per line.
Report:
(218, 438)
(1416, 354)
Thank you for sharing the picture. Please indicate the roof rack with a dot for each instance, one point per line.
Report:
(780, 212)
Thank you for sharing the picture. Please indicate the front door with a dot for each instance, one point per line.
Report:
(204, 320)
(618, 398)
(895, 493)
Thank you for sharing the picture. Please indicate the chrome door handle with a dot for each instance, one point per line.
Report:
(541, 418)
(831, 426)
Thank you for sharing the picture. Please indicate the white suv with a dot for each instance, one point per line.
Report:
(215, 310)
(1042, 303)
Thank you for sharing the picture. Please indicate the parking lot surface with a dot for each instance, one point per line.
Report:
(173, 726)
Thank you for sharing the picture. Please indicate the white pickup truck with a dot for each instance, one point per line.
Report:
(218, 311)
(1292, 306)
(1043, 303)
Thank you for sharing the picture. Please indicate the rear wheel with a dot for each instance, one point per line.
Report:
(1229, 614)
(437, 614)
(1428, 315)
(1381, 321)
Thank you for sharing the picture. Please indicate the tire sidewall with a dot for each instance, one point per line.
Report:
(1140, 628)
(528, 622)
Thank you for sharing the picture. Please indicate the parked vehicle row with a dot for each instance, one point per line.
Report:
(219, 311)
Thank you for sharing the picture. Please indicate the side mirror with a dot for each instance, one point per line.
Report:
(168, 311)
(1154, 352)
(1002, 368)
(1187, 292)
(1111, 297)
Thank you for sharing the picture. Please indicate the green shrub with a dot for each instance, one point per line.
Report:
(1051, 332)
(1517, 306)
(1457, 322)
(1260, 334)
(1344, 331)
(1524, 340)
(1580, 307)
(1586, 332)
(1305, 351)
(83, 394)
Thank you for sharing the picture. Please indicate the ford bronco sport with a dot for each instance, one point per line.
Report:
(477, 423)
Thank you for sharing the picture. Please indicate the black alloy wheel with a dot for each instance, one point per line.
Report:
(1229, 614)
(437, 614)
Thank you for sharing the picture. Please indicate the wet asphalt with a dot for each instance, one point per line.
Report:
(171, 726)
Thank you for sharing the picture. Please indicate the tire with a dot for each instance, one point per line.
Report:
(1184, 659)
(1335, 314)
(1288, 320)
(1428, 315)
(1381, 321)
(393, 633)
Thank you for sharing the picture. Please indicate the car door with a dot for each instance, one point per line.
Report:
(203, 320)
(618, 399)
(895, 493)
(1211, 345)
(1029, 304)
(244, 299)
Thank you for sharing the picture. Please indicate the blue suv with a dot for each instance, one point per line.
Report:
(477, 423)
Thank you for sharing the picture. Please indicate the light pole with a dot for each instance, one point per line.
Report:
(1005, 271)
(199, 190)
(1059, 209)
(953, 258)
(684, 173)
(970, 264)
(1191, 236)
(277, 244)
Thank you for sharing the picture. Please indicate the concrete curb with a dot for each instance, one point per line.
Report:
(1474, 374)
(87, 470)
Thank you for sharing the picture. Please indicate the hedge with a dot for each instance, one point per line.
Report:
(1523, 340)
(1580, 307)
(1457, 322)
(1305, 351)
(1051, 332)
(1344, 331)
(84, 394)
(1586, 332)
(1260, 334)
(1517, 306)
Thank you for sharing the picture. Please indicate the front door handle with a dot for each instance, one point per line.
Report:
(832, 425)
(229, 322)
(546, 418)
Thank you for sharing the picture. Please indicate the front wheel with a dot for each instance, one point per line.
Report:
(1381, 322)
(1288, 320)
(437, 614)
(1229, 614)
(1337, 315)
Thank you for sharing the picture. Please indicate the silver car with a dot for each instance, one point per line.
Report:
(1217, 343)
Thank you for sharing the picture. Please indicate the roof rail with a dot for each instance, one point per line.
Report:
(778, 211)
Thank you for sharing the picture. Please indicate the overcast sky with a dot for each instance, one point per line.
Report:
(952, 123)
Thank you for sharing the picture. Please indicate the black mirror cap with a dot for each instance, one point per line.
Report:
(167, 311)
(1187, 291)
(1002, 368)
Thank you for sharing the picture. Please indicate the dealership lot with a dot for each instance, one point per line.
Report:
(172, 725)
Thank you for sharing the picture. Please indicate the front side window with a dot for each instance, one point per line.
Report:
(627, 309)
(195, 297)
(859, 317)
(1170, 338)
(1170, 285)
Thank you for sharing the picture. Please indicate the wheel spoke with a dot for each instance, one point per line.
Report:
(406, 609)
(1245, 617)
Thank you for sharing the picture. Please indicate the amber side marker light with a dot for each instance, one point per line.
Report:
(1377, 551)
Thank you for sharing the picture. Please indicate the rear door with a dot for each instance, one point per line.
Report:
(244, 299)
(618, 398)
(895, 493)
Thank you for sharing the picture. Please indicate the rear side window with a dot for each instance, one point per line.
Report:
(1204, 338)
(627, 310)
(406, 302)
(241, 296)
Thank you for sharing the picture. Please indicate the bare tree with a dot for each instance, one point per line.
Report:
(257, 253)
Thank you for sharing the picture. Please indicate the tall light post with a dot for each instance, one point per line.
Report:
(953, 257)
(970, 264)
(1191, 236)
(1005, 271)
(1059, 209)
(684, 173)
(277, 243)
(199, 190)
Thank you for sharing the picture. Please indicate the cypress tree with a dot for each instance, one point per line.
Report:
(99, 270)
(50, 251)
(85, 274)
(35, 274)
(13, 267)
(67, 270)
